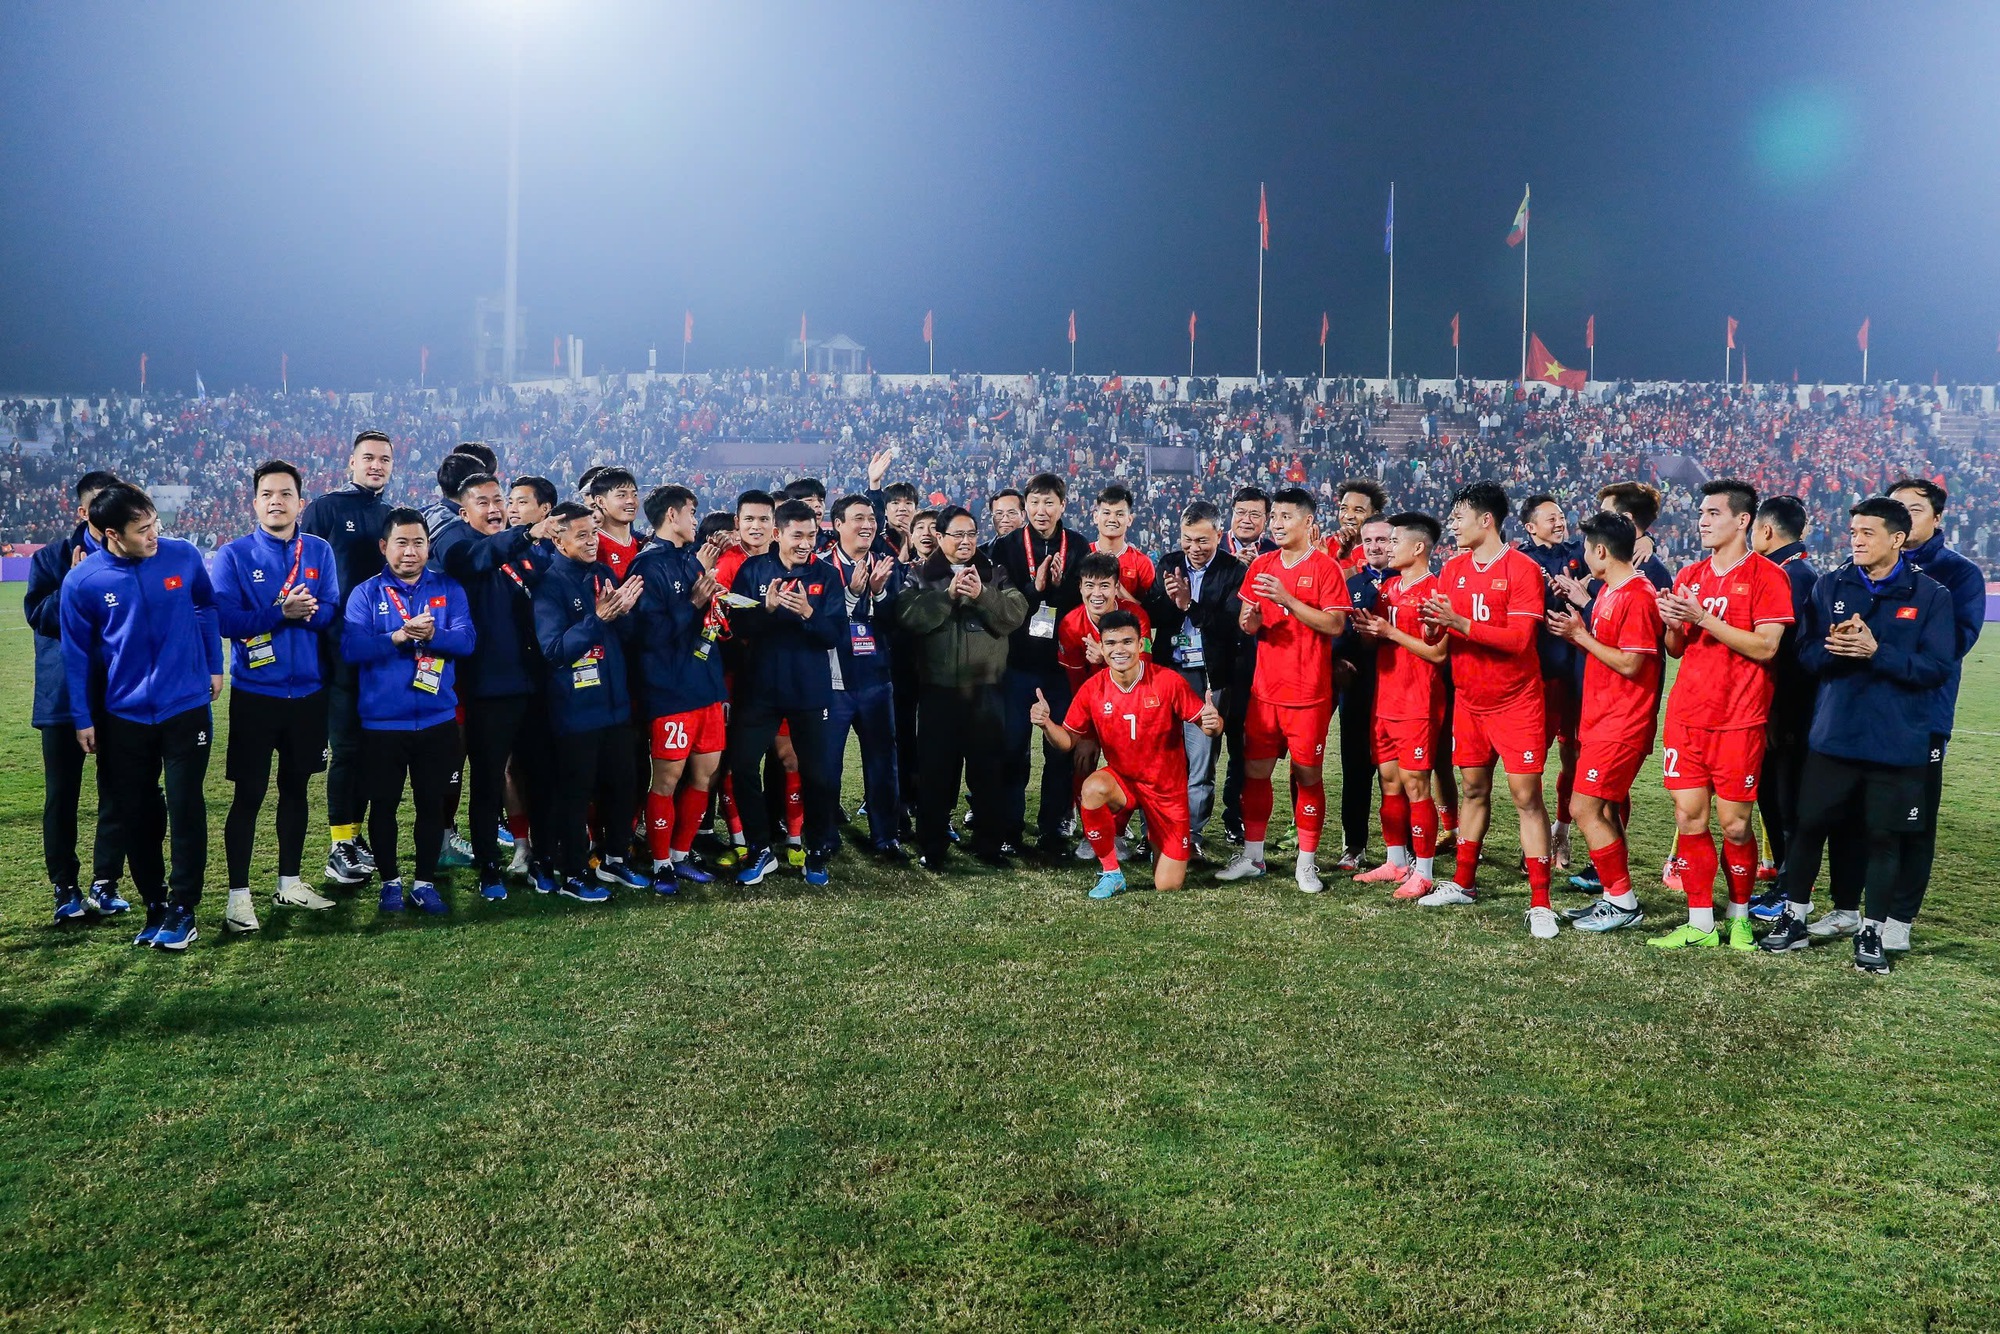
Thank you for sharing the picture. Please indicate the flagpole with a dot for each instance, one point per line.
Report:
(1392, 280)
(1260, 289)
(1526, 227)
(1864, 365)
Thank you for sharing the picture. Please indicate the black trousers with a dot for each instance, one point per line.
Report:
(958, 728)
(346, 775)
(753, 730)
(1778, 794)
(905, 689)
(138, 758)
(1357, 767)
(1235, 713)
(1920, 847)
(516, 728)
(62, 791)
(1057, 796)
(259, 726)
(429, 757)
(594, 765)
(1881, 804)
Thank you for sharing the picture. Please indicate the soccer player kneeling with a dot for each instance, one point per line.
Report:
(1134, 711)
(1621, 700)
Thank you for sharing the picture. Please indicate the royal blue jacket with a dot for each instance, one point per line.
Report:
(1878, 710)
(875, 613)
(586, 685)
(144, 629)
(43, 607)
(250, 575)
(785, 658)
(676, 659)
(1966, 586)
(499, 573)
(389, 697)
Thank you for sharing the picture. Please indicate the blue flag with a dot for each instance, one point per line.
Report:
(1389, 224)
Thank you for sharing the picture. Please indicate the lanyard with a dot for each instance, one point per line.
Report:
(298, 554)
(1061, 545)
(389, 590)
(509, 570)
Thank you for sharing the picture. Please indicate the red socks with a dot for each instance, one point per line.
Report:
(659, 826)
(1467, 873)
(795, 806)
(1614, 870)
(1423, 828)
(1309, 814)
(1097, 828)
(1257, 799)
(729, 815)
(1697, 854)
(690, 813)
(1739, 864)
(1538, 882)
(517, 825)
(1396, 820)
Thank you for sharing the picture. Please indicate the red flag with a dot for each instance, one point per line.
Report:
(1114, 384)
(687, 328)
(1520, 232)
(1731, 335)
(1542, 366)
(1454, 329)
(1072, 327)
(927, 326)
(1263, 219)
(1190, 326)
(1590, 332)
(1324, 325)
(1861, 339)
(142, 372)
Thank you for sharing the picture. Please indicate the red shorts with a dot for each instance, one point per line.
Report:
(1271, 730)
(696, 732)
(1562, 711)
(1605, 769)
(1168, 826)
(1724, 762)
(1515, 734)
(1408, 743)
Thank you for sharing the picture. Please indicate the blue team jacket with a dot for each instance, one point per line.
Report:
(499, 573)
(1879, 710)
(676, 656)
(145, 628)
(390, 699)
(1967, 588)
(249, 576)
(785, 656)
(587, 687)
(42, 605)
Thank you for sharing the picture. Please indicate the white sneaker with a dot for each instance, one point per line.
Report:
(1244, 867)
(1837, 922)
(241, 915)
(1542, 923)
(1895, 936)
(298, 896)
(519, 866)
(1446, 895)
(1559, 847)
(1084, 852)
(1308, 874)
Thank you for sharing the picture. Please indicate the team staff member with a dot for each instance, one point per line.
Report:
(1043, 564)
(62, 758)
(1882, 641)
(139, 617)
(1354, 676)
(1778, 535)
(1550, 546)
(581, 628)
(1249, 516)
(275, 595)
(863, 694)
(1194, 606)
(960, 611)
(786, 678)
(349, 520)
(404, 630)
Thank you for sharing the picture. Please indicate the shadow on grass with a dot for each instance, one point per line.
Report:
(28, 1029)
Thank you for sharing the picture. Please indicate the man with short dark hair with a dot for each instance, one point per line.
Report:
(1008, 510)
(1113, 516)
(529, 500)
(1779, 535)
(1194, 605)
(1354, 675)
(1550, 546)
(276, 592)
(143, 660)
(862, 689)
(614, 494)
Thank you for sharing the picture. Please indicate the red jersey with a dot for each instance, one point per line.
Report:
(1500, 600)
(1295, 664)
(1616, 708)
(1077, 629)
(616, 555)
(1140, 728)
(1717, 687)
(1406, 687)
(1135, 569)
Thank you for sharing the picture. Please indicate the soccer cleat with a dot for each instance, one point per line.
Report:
(504, 837)
(1242, 867)
(1768, 906)
(1307, 875)
(615, 872)
(424, 897)
(176, 931)
(1684, 935)
(343, 865)
(1579, 911)
(1388, 873)
(1414, 886)
(732, 857)
(1109, 884)
(1670, 874)
(69, 904)
(795, 855)
(1350, 861)
(103, 899)
(1586, 881)
(1446, 895)
(1869, 956)
(1896, 936)
(666, 880)
(392, 896)
(545, 880)
(584, 892)
(492, 888)
(1839, 922)
(456, 851)
(755, 868)
(298, 896)
(240, 916)
(816, 869)
(365, 854)
(522, 858)
(156, 913)
(1542, 923)
(1787, 935)
(692, 871)
(1739, 935)
(1604, 915)
(1559, 847)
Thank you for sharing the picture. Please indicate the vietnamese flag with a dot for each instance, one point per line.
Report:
(1190, 326)
(1324, 325)
(1730, 334)
(1263, 219)
(1861, 338)
(687, 328)
(927, 326)
(1590, 332)
(1543, 367)
(1454, 329)
(1072, 328)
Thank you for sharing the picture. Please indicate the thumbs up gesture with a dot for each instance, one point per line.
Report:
(1038, 712)
(1210, 720)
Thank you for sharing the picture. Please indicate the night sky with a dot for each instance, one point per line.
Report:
(217, 184)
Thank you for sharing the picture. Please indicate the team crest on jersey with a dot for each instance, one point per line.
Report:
(1461, 581)
(1152, 701)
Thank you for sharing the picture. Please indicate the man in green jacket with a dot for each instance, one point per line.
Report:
(959, 610)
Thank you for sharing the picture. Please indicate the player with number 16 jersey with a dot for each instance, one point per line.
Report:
(1497, 682)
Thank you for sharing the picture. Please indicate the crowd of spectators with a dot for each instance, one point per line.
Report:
(963, 438)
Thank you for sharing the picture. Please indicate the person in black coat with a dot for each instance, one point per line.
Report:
(1194, 605)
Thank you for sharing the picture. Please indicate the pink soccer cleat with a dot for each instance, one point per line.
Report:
(1414, 886)
(1385, 874)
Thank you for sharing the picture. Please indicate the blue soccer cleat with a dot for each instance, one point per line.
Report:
(692, 871)
(817, 872)
(1109, 885)
(617, 872)
(665, 881)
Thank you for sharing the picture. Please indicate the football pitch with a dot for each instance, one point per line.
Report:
(985, 1102)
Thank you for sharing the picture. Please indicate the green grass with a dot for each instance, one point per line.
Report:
(988, 1102)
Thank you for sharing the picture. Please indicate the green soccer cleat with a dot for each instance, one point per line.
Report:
(1740, 937)
(1685, 935)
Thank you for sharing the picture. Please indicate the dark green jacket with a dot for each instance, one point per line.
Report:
(958, 642)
